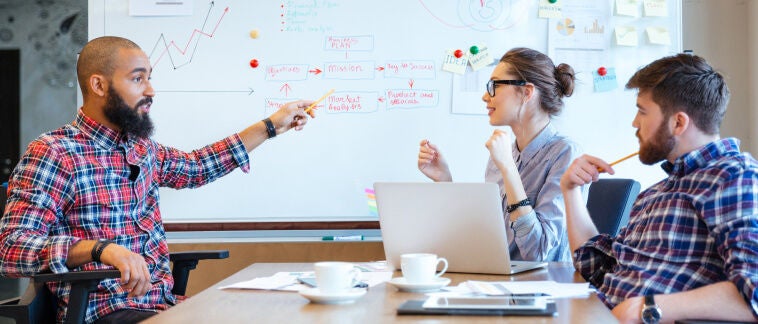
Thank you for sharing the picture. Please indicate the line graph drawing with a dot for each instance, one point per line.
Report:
(166, 46)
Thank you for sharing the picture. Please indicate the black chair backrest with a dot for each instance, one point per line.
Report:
(3, 197)
(609, 203)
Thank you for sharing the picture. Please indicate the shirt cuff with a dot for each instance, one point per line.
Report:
(59, 248)
(239, 153)
(525, 223)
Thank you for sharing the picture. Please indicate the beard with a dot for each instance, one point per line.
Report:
(659, 147)
(131, 122)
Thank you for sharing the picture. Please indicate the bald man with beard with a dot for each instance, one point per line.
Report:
(85, 196)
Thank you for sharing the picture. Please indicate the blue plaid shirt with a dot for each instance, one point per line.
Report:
(697, 227)
(73, 184)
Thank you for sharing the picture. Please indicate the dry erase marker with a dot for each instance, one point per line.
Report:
(342, 238)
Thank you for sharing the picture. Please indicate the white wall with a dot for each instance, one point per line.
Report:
(720, 31)
(751, 111)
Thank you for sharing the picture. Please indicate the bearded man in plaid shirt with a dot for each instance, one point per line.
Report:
(690, 250)
(85, 196)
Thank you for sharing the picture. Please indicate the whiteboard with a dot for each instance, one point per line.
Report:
(384, 60)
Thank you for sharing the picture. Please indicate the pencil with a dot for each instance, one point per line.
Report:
(319, 100)
(624, 158)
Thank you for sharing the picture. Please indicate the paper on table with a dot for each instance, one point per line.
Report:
(552, 288)
(287, 281)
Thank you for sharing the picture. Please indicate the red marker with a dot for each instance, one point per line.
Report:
(253, 63)
(602, 71)
(458, 53)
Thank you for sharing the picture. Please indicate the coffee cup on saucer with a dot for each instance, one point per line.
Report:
(335, 277)
(421, 268)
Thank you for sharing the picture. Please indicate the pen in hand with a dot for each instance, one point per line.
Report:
(621, 159)
(319, 100)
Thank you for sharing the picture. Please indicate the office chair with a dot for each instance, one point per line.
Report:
(39, 305)
(609, 203)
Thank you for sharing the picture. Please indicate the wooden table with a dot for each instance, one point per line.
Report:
(379, 305)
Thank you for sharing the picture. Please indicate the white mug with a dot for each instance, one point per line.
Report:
(335, 277)
(421, 267)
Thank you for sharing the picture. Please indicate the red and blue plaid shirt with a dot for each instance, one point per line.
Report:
(74, 184)
(697, 227)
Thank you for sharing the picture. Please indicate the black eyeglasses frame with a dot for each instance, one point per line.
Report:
(491, 85)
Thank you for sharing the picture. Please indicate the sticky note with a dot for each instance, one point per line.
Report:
(549, 10)
(626, 35)
(454, 64)
(658, 35)
(607, 82)
(480, 59)
(626, 8)
(655, 8)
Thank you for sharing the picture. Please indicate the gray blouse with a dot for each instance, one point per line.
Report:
(541, 234)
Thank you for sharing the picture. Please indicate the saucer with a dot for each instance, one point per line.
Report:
(316, 296)
(434, 285)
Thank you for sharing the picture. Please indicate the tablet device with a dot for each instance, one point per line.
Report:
(507, 302)
(415, 307)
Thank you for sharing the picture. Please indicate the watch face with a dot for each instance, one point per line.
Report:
(651, 315)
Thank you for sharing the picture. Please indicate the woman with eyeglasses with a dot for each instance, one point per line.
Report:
(524, 92)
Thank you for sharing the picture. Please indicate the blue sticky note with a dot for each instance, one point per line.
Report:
(606, 82)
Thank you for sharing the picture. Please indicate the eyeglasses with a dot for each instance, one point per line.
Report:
(491, 85)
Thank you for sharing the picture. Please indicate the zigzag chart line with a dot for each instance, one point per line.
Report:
(199, 32)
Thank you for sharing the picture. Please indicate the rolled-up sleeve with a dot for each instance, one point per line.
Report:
(732, 216)
(594, 259)
(38, 187)
(541, 234)
(190, 170)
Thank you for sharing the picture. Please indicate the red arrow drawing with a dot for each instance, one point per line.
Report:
(381, 68)
(410, 83)
(381, 99)
(286, 87)
(315, 71)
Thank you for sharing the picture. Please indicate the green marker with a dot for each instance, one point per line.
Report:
(342, 238)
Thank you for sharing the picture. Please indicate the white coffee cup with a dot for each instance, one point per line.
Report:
(421, 267)
(335, 277)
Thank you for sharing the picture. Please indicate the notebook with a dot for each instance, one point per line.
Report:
(462, 222)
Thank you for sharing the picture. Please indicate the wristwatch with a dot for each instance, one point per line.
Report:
(651, 313)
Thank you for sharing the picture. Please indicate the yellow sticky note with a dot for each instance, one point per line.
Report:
(658, 35)
(655, 8)
(626, 8)
(549, 10)
(626, 36)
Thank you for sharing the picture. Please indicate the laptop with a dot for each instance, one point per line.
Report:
(462, 222)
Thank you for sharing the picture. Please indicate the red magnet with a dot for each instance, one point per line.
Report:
(602, 71)
(458, 53)
(254, 63)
